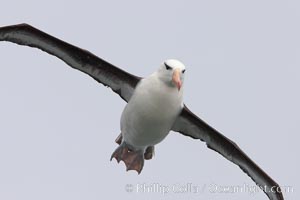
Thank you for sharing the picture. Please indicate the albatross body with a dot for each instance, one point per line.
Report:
(154, 106)
(150, 114)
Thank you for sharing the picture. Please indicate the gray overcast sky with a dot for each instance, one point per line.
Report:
(58, 125)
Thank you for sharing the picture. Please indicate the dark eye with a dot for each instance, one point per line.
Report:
(168, 67)
(183, 71)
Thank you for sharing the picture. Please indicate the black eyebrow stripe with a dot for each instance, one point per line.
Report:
(168, 65)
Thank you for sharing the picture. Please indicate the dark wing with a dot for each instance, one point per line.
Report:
(190, 125)
(118, 80)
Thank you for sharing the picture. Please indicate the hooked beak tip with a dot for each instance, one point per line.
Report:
(178, 86)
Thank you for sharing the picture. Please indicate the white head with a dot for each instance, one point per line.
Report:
(172, 73)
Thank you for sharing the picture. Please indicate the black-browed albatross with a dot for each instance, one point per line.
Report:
(154, 105)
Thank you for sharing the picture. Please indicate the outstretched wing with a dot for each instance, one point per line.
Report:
(190, 125)
(118, 80)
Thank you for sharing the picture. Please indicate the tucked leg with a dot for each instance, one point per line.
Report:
(119, 139)
(149, 153)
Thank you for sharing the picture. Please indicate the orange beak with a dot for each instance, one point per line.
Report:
(176, 78)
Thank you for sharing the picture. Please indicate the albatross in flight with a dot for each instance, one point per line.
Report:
(154, 105)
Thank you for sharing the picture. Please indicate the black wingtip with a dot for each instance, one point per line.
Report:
(6, 30)
(12, 27)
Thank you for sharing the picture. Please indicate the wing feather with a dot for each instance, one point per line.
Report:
(118, 80)
(190, 125)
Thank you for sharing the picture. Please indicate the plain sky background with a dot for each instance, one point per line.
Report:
(58, 125)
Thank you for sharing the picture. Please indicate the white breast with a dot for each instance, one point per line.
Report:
(150, 113)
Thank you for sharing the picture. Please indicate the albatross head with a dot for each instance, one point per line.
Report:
(172, 73)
